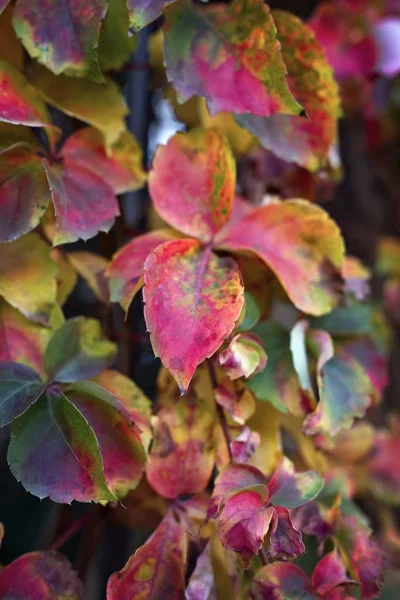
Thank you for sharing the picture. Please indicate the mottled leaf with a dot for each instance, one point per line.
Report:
(143, 12)
(40, 576)
(329, 573)
(303, 247)
(64, 37)
(92, 268)
(125, 272)
(244, 446)
(344, 388)
(100, 105)
(192, 182)
(236, 399)
(245, 356)
(285, 540)
(116, 44)
(182, 456)
(119, 440)
(84, 203)
(233, 479)
(305, 141)
(202, 584)
(290, 489)
(120, 165)
(78, 350)
(228, 54)
(278, 383)
(28, 277)
(157, 569)
(192, 300)
(54, 452)
(281, 581)
(20, 103)
(21, 340)
(24, 191)
(357, 277)
(20, 387)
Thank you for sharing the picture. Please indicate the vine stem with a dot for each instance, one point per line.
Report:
(73, 528)
(220, 410)
(263, 557)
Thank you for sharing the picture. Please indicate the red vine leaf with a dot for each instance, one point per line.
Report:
(193, 299)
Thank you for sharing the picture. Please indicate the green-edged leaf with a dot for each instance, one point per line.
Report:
(40, 576)
(157, 570)
(28, 277)
(192, 300)
(302, 246)
(119, 440)
(62, 35)
(229, 54)
(143, 12)
(24, 191)
(54, 452)
(192, 182)
(290, 489)
(100, 105)
(78, 351)
(20, 387)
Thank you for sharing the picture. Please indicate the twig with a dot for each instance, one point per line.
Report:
(220, 410)
(69, 532)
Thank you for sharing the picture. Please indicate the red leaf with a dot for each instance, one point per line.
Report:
(280, 581)
(126, 269)
(235, 478)
(285, 541)
(192, 182)
(157, 569)
(40, 576)
(244, 446)
(329, 573)
(290, 489)
(24, 191)
(303, 247)
(193, 299)
(84, 203)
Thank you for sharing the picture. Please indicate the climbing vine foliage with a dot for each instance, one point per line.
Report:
(252, 455)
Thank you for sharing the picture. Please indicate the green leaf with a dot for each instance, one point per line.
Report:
(20, 387)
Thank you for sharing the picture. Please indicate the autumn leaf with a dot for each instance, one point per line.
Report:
(229, 55)
(22, 341)
(41, 575)
(11, 50)
(20, 387)
(62, 37)
(125, 272)
(3, 4)
(302, 246)
(192, 300)
(236, 399)
(245, 356)
(281, 581)
(285, 541)
(77, 351)
(157, 569)
(99, 105)
(244, 445)
(143, 12)
(92, 268)
(119, 440)
(116, 44)
(305, 141)
(72, 470)
(20, 103)
(290, 489)
(28, 277)
(192, 182)
(24, 191)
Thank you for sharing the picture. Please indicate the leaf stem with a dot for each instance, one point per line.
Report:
(263, 557)
(73, 528)
(220, 410)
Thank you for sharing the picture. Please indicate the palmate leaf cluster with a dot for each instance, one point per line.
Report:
(255, 449)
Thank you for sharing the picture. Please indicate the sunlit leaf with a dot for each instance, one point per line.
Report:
(100, 105)
(303, 247)
(266, 422)
(28, 277)
(84, 203)
(54, 452)
(125, 272)
(192, 182)
(115, 43)
(21, 340)
(62, 37)
(66, 277)
(20, 387)
(290, 489)
(306, 141)
(20, 103)
(192, 300)
(236, 399)
(119, 440)
(228, 54)
(24, 191)
(78, 350)
(157, 569)
(92, 268)
(120, 165)
(40, 576)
